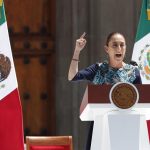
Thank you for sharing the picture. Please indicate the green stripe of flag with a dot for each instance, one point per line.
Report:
(148, 9)
(2, 14)
(144, 23)
(148, 4)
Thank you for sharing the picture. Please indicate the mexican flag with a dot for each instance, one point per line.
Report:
(141, 51)
(11, 127)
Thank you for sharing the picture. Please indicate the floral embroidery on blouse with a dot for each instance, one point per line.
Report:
(109, 75)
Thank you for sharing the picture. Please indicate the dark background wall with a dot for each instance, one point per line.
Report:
(43, 34)
(97, 18)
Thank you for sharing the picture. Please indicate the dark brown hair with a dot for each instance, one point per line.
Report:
(110, 36)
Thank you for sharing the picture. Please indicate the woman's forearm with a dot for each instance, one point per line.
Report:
(73, 69)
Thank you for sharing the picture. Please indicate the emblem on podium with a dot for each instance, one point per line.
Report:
(124, 95)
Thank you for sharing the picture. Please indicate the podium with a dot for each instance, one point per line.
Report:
(114, 129)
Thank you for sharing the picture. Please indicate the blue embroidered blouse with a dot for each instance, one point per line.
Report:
(102, 73)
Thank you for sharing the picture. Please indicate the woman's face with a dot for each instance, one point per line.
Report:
(116, 48)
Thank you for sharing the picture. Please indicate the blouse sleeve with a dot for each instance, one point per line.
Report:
(87, 73)
(138, 77)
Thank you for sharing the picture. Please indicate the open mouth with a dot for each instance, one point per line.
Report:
(118, 55)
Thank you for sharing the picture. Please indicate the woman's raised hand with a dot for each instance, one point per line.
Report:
(81, 42)
(73, 69)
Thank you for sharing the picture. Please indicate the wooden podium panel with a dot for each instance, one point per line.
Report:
(96, 99)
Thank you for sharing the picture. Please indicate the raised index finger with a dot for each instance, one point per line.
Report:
(83, 35)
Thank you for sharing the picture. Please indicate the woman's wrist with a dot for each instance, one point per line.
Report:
(77, 50)
(76, 55)
(74, 59)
